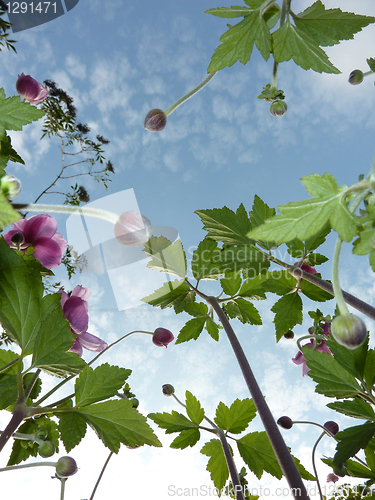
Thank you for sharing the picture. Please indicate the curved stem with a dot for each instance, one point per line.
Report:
(190, 94)
(282, 453)
(314, 336)
(26, 466)
(100, 475)
(314, 467)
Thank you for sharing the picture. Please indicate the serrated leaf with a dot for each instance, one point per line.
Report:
(117, 422)
(256, 451)
(186, 438)
(357, 408)
(102, 383)
(371, 63)
(291, 42)
(288, 313)
(316, 259)
(328, 26)
(170, 294)
(229, 12)
(260, 212)
(236, 418)
(202, 265)
(193, 408)
(172, 422)
(354, 469)
(332, 379)
(365, 243)
(353, 360)
(241, 257)
(72, 427)
(252, 288)
(244, 310)
(280, 282)
(351, 440)
(320, 186)
(191, 330)
(166, 256)
(14, 113)
(313, 292)
(212, 328)
(369, 369)
(231, 283)
(370, 458)
(225, 225)
(196, 309)
(217, 465)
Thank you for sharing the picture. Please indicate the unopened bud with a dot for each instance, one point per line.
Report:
(168, 390)
(285, 422)
(289, 334)
(278, 108)
(349, 330)
(356, 77)
(155, 120)
(65, 467)
(17, 239)
(332, 427)
(10, 186)
(46, 449)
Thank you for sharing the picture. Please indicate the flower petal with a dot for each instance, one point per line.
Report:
(75, 312)
(91, 342)
(48, 252)
(77, 348)
(41, 225)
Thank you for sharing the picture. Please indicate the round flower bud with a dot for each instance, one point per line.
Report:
(65, 467)
(356, 77)
(133, 229)
(278, 108)
(135, 402)
(17, 239)
(10, 186)
(289, 334)
(155, 120)
(162, 337)
(167, 390)
(332, 427)
(349, 330)
(46, 449)
(340, 470)
(285, 422)
(311, 330)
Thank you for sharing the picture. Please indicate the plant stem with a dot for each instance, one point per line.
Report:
(282, 453)
(8, 365)
(314, 467)
(62, 492)
(26, 466)
(190, 94)
(20, 411)
(100, 476)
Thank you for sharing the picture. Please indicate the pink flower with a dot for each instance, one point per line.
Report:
(132, 229)
(299, 358)
(332, 478)
(75, 309)
(30, 89)
(162, 337)
(40, 233)
(306, 268)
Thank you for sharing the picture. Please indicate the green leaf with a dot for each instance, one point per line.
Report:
(252, 288)
(212, 328)
(280, 282)
(320, 186)
(191, 330)
(329, 26)
(172, 422)
(72, 427)
(369, 370)
(166, 256)
(8, 390)
(304, 473)
(170, 294)
(313, 292)
(288, 313)
(224, 225)
(292, 42)
(231, 283)
(193, 408)
(202, 265)
(186, 438)
(256, 450)
(242, 257)
(259, 214)
(117, 422)
(196, 309)
(355, 469)
(236, 418)
(315, 259)
(356, 408)
(351, 440)
(353, 360)
(229, 12)
(21, 291)
(364, 244)
(54, 339)
(237, 43)
(371, 63)
(244, 310)
(14, 113)
(217, 465)
(332, 379)
(102, 383)
(370, 458)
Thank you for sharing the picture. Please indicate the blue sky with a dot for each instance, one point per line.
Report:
(120, 59)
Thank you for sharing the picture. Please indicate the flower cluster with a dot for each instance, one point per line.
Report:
(299, 358)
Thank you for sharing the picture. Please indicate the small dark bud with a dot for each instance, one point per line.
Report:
(285, 422)
(356, 77)
(289, 334)
(134, 402)
(65, 467)
(167, 390)
(311, 330)
(349, 330)
(155, 120)
(332, 427)
(46, 449)
(278, 108)
(17, 239)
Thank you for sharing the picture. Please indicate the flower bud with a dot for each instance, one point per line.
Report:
(65, 467)
(133, 229)
(17, 239)
(356, 77)
(155, 120)
(162, 337)
(349, 330)
(167, 390)
(30, 89)
(332, 478)
(289, 334)
(10, 186)
(285, 422)
(332, 427)
(278, 108)
(340, 470)
(46, 449)
(134, 402)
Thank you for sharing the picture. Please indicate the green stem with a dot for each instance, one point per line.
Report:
(62, 491)
(29, 388)
(100, 475)
(26, 466)
(26, 437)
(190, 94)
(281, 450)
(8, 365)
(314, 466)
(313, 336)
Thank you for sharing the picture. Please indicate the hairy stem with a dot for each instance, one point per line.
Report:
(100, 475)
(20, 411)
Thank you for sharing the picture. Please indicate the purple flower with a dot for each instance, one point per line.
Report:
(299, 358)
(132, 229)
(40, 233)
(162, 337)
(75, 309)
(332, 478)
(306, 268)
(30, 89)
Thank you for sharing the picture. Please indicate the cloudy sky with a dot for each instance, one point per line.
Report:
(118, 60)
